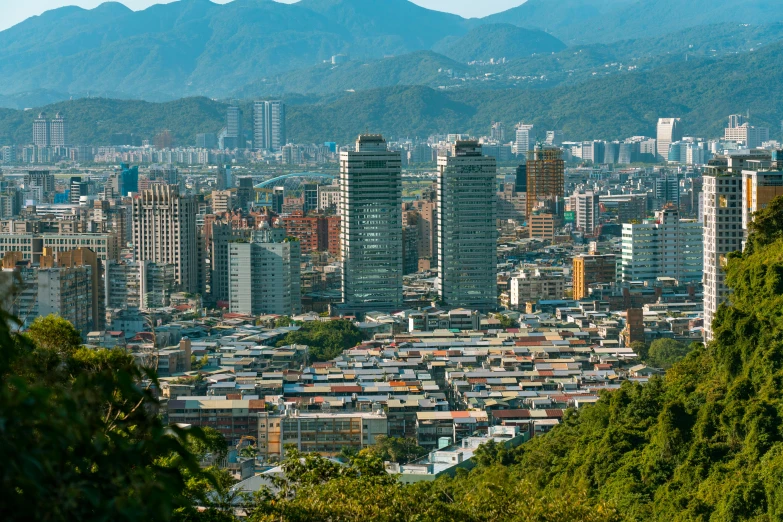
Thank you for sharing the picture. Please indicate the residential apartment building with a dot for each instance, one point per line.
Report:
(531, 286)
(591, 269)
(269, 130)
(164, 231)
(723, 233)
(467, 231)
(324, 433)
(586, 211)
(67, 292)
(371, 226)
(264, 274)
(666, 246)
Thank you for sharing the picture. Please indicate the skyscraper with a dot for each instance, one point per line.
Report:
(58, 131)
(545, 178)
(497, 131)
(41, 131)
(667, 189)
(164, 231)
(235, 134)
(78, 188)
(310, 192)
(467, 232)
(669, 131)
(43, 179)
(523, 140)
(723, 233)
(371, 226)
(269, 131)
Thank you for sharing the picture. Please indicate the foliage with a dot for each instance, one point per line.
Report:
(505, 321)
(82, 439)
(325, 339)
(394, 449)
(198, 364)
(54, 333)
(663, 353)
(283, 321)
(499, 41)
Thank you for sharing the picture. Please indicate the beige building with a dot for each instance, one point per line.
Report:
(164, 231)
(535, 286)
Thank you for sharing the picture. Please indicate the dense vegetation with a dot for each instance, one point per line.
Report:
(498, 41)
(325, 339)
(80, 437)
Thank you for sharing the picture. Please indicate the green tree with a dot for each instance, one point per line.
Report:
(325, 339)
(82, 439)
(54, 333)
(663, 353)
(395, 449)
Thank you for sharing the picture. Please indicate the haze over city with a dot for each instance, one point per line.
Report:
(391, 260)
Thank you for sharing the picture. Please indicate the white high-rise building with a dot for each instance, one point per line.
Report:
(41, 136)
(269, 132)
(554, 137)
(669, 131)
(723, 233)
(58, 131)
(264, 274)
(523, 141)
(666, 246)
(741, 130)
(467, 230)
(370, 209)
(585, 207)
(497, 132)
(164, 231)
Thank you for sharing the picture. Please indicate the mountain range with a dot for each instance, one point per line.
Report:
(702, 91)
(197, 48)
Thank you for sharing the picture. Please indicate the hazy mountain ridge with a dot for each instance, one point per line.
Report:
(701, 91)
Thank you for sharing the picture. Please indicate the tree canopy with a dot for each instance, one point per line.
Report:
(325, 339)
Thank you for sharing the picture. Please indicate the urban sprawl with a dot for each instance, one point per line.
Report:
(483, 285)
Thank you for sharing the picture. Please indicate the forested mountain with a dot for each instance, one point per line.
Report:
(701, 91)
(591, 21)
(498, 41)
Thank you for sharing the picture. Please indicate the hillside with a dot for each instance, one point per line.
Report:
(701, 91)
(605, 21)
(197, 47)
(498, 41)
(417, 68)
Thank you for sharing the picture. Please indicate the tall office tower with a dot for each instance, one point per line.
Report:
(666, 246)
(207, 140)
(222, 235)
(669, 131)
(235, 134)
(667, 189)
(520, 179)
(310, 191)
(225, 180)
(78, 188)
(554, 138)
(523, 140)
(611, 152)
(545, 178)
(265, 274)
(371, 226)
(41, 137)
(246, 192)
(467, 232)
(591, 269)
(58, 131)
(43, 179)
(164, 231)
(129, 179)
(736, 120)
(269, 131)
(497, 131)
(585, 206)
(278, 199)
(723, 233)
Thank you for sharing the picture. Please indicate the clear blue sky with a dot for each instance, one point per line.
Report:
(14, 11)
